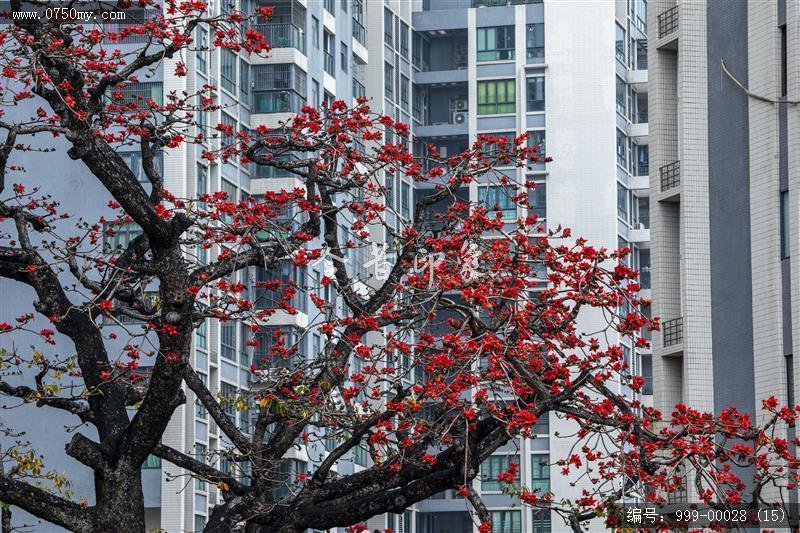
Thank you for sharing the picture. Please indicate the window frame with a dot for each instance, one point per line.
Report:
(535, 105)
(503, 47)
(490, 91)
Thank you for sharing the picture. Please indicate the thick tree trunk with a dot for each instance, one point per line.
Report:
(121, 510)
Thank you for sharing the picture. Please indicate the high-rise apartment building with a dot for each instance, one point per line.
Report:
(724, 185)
(572, 74)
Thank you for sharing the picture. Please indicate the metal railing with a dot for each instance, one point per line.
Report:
(668, 22)
(283, 35)
(673, 331)
(670, 175)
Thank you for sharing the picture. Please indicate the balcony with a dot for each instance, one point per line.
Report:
(457, 125)
(670, 176)
(283, 35)
(672, 331)
(668, 22)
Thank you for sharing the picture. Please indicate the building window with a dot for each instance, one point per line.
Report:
(269, 298)
(641, 54)
(315, 31)
(201, 335)
(540, 474)
(389, 184)
(541, 521)
(202, 181)
(361, 455)
(537, 200)
(279, 347)
(537, 138)
(404, 92)
(492, 467)
(496, 44)
(344, 5)
(139, 93)
(785, 225)
(534, 41)
(227, 70)
(328, 47)
(622, 149)
(388, 81)
(496, 96)
(229, 395)
(330, 7)
(244, 81)
(498, 198)
(228, 139)
(535, 94)
(315, 101)
(506, 522)
(200, 455)
(620, 43)
(344, 57)
(279, 88)
(227, 340)
(542, 425)
(641, 15)
(622, 93)
(134, 162)
(200, 409)
(388, 27)
(404, 39)
(405, 199)
(230, 190)
(790, 381)
(359, 31)
(622, 202)
(202, 49)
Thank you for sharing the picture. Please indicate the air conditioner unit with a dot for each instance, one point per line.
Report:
(460, 104)
(459, 117)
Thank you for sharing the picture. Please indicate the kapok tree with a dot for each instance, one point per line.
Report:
(459, 333)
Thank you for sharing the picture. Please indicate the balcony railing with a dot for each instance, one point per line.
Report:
(330, 64)
(673, 331)
(668, 22)
(670, 175)
(283, 35)
(359, 32)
